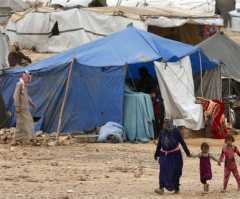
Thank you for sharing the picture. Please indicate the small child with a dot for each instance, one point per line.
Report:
(230, 165)
(205, 165)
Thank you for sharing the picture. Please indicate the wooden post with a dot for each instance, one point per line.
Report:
(64, 99)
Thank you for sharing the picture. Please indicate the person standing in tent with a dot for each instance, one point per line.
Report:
(24, 120)
(170, 157)
(146, 82)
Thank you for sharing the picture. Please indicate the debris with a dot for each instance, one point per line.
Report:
(7, 135)
(82, 178)
(54, 164)
(6, 166)
(64, 197)
(12, 148)
(65, 140)
(24, 153)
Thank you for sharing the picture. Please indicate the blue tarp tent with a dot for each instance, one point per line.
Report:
(96, 81)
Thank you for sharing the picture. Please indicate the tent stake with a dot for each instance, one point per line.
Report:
(64, 100)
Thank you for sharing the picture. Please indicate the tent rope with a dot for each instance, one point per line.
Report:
(64, 99)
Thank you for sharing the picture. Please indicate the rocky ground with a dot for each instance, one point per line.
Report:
(102, 171)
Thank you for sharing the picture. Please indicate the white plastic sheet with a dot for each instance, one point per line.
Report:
(70, 3)
(177, 88)
(206, 7)
(76, 27)
(166, 22)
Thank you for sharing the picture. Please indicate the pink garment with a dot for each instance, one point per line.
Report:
(230, 165)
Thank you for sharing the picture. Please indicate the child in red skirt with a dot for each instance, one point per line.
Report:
(205, 165)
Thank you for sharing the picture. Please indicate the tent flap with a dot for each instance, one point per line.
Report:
(177, 89)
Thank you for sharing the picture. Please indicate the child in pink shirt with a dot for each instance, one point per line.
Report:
(230, 166)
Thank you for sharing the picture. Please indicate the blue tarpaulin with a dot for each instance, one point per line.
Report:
(96, 89)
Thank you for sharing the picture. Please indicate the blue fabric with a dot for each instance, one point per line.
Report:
(130, 46)
(138, 116)
(133, 70)
(95, 96)
(97, 81)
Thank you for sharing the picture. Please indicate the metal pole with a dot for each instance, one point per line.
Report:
(229, 105)
(64, 99)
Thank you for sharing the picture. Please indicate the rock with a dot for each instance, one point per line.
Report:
(70, 191)
(64, 197)
(54, 164)
(82, 178)
(12, 148)
(97, 150)
(106, 176)
(6, 166)
(53, 143)
(24, 153)
(64, 140)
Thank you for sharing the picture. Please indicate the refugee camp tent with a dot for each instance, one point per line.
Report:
(178, 24)
(83, 87)
(205, 7)
(56, 31)
(4, 50)
(8, 7)
(222, 48)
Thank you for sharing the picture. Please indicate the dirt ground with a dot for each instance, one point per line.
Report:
(102, 171)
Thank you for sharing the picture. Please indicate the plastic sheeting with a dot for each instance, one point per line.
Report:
(111, 129)
(167, 22)
(211, 84)
(14, 5)
(76, 27)
(177, 89)
(226, 51)
(70, 3)
(206, 7)
(138, 116)
(4, 50)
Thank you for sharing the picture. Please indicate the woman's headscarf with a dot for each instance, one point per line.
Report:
(168, 125)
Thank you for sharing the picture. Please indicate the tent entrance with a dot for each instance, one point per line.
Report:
(187, 33)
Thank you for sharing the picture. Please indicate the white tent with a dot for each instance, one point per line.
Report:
(4, 50)
(15, 5)
(8, 7)
(59, 30)
(203, 7)
(70, 3)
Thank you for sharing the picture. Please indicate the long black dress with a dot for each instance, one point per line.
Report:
(4, 116)
(171, 163)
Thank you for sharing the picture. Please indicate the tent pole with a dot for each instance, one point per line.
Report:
(64, 99)
(229, 106)
(201, 73)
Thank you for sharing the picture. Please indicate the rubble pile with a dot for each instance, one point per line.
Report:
(6, 135)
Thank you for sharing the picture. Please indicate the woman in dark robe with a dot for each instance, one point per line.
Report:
(170, 157)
